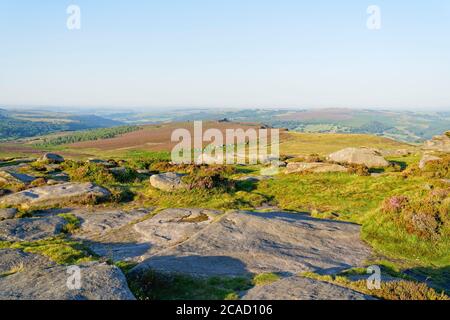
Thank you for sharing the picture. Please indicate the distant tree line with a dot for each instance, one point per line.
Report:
(16, 129)
(89, 135)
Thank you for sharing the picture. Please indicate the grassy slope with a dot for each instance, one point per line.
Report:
(326, 143)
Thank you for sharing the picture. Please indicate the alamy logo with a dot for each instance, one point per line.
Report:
(74, 18)
(374, 20)
(374, 280)
(74, 280)
(239, 146)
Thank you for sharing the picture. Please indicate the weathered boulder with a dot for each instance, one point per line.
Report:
(315, 167)
(365, 156)
(300, 288)
(172, 226)
(7, 176)
(31, 277)
(426, 158)
(52, 158)
(247, 242)
(31, 229)
(8, 213)
(167, 181)
(439, 143)
(61, 193)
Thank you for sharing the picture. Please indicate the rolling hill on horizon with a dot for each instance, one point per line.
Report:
(24, 124)
(406, 126)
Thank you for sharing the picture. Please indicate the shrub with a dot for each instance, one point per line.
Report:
(38, 166)
(72, 223)
(263, 279)
(88, 172)
(209, 177)
(121, 194)
(433, 169)
(390, 290)
(426, 217)
(38, 182)
(359, 169)
(166, 166)
(128, 175)
(438, 168)
(395, 204)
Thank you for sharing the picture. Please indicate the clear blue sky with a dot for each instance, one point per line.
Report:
(226, 53)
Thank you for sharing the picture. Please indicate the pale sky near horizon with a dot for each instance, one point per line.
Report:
(233, 53)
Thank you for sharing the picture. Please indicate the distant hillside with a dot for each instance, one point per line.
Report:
(399, 125)
(16, 125)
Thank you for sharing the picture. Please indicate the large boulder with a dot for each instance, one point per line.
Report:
(52, 158)
(242, 243)
(299, 288)
(426, 158)
(31, 229)
(439, 143)
(56, 194)
(28, 276)
(167, 181)
(315, 167)
(365, 156)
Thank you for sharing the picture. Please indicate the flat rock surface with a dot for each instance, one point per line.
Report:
(247, 242)
(40, 279)
(173, 226)
(11, 259)
(98, 223)
(12, 176)
(299, 288)
(30, 229)
(143, 239)
(56, 194)
(110, 233)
